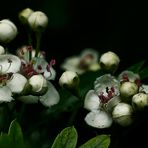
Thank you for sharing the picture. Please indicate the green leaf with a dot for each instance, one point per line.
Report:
(14, 138)
(66, 139)
(15, 133)
(5, 141)
(101, 141)
(136, 67)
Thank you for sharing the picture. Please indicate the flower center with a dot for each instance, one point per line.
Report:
(110, 92)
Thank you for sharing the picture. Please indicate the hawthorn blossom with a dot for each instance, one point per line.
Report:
(101, 101)
(86, 61)
(11, 82)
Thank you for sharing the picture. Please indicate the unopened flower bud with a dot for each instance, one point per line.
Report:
(127, 90)
(69, 79)
(38, 83)
(109, 61)
(24, 15)
(140, 100)
(8, 31)
(38, 21)
(122, 114)
(2, 50)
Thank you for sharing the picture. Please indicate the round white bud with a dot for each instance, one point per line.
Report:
(122, 114)
(8, 31)
(24, 15)
(38, 21)
(127, 90)
(109, 61)
(140, 100)
(69, 79)
(38, 83)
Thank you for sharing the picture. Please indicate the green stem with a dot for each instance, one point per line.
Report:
(38, 43)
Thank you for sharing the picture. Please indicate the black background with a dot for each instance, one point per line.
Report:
(120, 26)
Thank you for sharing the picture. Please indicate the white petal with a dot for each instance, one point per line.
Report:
(50, 75)
(5, 94)
(51, 97)
(17, 83)
(9, 63)
(92, 101)
(98, 119)
(30, 99)
(144, 88)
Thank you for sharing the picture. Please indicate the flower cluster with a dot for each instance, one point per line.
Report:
(26, 76)
(115, 99)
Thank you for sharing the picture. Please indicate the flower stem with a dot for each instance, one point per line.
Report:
(38, 43)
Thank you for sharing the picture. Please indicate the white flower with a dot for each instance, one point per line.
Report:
(101, 101)
(140, 100)
(69, 79)
(41, 66)
(17, 83)
(38, 21)
(24, 15)
(38, 83)
(9, 63)
(5, 94)
(2, 50)
(86, 61)
(109, 61)
(122, 114)
(8, 31)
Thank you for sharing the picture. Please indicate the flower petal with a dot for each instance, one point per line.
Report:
(92, 101)
(51, 97)
(5, 94)
(50, 75)
(9, 63)
(17, 83)
(98, 119)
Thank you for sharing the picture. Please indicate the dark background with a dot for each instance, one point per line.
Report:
(120, 26)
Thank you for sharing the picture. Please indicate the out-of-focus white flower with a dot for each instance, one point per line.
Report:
(109, 61)
(101, 101)
(9, 63)
(2, 50)
(86, 61)
(8, 31)
(38, 83)
(127, 90)
(24, 15)
(140, 100)
(69, 79)
(122, 114)
(129, 76)
(38, 21)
